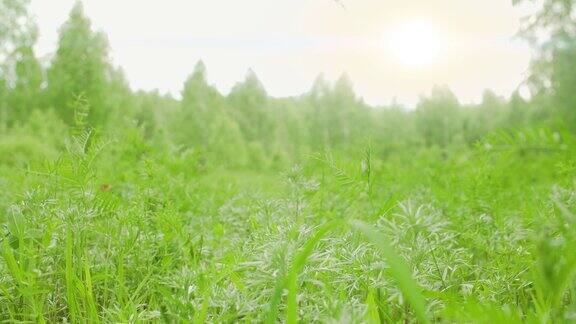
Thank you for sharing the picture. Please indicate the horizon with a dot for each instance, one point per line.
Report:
(302, 45)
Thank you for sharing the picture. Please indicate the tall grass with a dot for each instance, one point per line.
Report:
(118, 229)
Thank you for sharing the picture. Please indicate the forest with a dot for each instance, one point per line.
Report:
(137, 206)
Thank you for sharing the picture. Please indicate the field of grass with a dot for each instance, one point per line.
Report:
(121, 229)
(131, 206)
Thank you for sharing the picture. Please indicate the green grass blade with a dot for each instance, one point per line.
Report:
(70, 277)
(275, 300)
(398, 268)
(298, 265)
(90, 295)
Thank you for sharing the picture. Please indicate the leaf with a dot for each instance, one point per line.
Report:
(398, 268)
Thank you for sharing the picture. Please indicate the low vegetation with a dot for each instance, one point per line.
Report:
(118, 206)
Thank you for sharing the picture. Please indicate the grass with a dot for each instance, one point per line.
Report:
(122, 230)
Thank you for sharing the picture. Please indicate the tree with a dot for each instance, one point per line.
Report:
(316, 100)
(226, 142)
(552, 32)
(344, 116)
(518, 110)
(21, 75)
(249, 104)
(200, 106)
(563, 82)
(485, 117)
(196, 89)
(80, 67)
(3, 104)
(15, 25)
(437, 117)
(25, 94)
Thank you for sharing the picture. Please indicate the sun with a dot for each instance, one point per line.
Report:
(416, 44)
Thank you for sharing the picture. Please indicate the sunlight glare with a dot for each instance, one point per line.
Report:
(416, 44)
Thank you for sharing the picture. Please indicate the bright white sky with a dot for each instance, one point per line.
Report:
(289, 42)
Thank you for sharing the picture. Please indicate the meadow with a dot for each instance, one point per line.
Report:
(136, 207)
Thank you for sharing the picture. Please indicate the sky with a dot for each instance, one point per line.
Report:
(289, 43)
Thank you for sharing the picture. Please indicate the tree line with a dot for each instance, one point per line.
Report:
(249, 127)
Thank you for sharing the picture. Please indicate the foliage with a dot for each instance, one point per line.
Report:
(80, 67)
(552, 31)
(122, 206)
